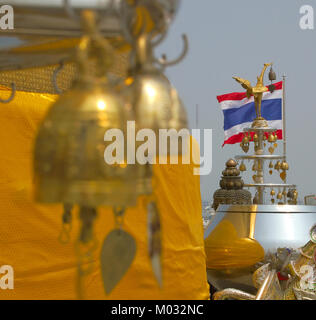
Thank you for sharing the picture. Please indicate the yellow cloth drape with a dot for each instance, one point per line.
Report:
(46, 269)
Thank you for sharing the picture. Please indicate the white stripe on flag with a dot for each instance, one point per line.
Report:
(230, 104)
(276, 124)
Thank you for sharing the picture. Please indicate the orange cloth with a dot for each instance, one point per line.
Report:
(46, 269)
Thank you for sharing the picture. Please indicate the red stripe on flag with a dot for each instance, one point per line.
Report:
(243, 95)
(237, 138)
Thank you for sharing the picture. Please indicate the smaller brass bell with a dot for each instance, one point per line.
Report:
(275, 137)
(271, 165)
(272, 75)
(242, 167)
(271, 138)
(272, 193)
(279, 196)
(255, 138)
(284, 166)
(277, 166)
(295, 195)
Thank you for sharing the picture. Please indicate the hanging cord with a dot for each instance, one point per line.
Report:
(86, 246)
(119, 213)
(64, 236)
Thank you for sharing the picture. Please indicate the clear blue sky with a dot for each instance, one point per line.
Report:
(235, 38)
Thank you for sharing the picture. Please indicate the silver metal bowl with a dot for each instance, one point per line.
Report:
(273, 226)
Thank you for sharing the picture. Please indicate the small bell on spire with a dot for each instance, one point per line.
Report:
(272, 77)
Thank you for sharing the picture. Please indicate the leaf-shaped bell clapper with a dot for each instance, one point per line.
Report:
(70, 159)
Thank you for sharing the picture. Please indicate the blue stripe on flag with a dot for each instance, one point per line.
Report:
(270, 110)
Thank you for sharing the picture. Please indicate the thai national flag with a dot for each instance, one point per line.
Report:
(239, 112)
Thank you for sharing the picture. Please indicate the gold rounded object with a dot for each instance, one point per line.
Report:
(295, 195)
(149, 93)
(242, 167)
(231, 163)
(271, 165)
(279, 196)
(283, 175)
(150, 97)
(284, 166)
(70, 164)
(275, 137)
(255, 138)
(272, 193)
(277, 166)
(271, 138)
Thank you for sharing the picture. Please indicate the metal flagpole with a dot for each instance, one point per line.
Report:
(197, 117)
(284, 129)
(283, 118)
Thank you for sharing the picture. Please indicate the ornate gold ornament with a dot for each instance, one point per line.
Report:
(257, 92)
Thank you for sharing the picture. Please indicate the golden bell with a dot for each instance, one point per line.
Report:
(272, 193)
(74, 163)
(69, 162)
(150, 96)
(277, 166)
(242, 167)
(255, 138)
(271, 138)
(284, 166)
(149, 93)
(279, 196)
(245, 139)
(155, 102)
(295, 195)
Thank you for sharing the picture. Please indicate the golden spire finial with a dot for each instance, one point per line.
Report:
(257, 92)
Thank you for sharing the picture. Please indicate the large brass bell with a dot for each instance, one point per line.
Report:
(155, 101)
(71, 162)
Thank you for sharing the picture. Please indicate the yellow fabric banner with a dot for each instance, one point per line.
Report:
(46, 269)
